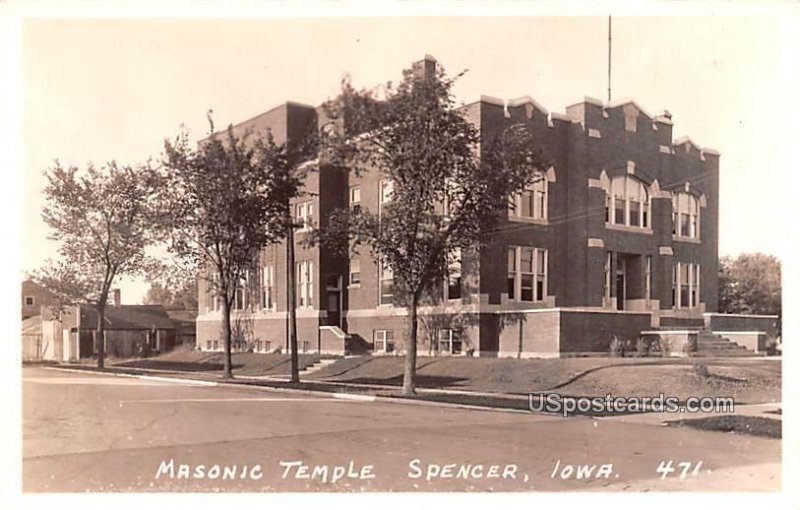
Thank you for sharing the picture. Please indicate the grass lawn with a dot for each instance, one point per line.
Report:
(747, 381)
(244, 363)
(752, 425)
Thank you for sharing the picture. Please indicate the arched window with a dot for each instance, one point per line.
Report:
(628, 202)
(685, 215)
(532, 201)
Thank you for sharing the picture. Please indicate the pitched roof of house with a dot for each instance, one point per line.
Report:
(183, 315)
(129, 317)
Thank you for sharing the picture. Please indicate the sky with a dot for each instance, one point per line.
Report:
(102, 89)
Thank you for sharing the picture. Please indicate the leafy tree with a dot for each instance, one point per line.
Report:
(157, 294)
(184, 295)
(750, 283)
(449, 192)
(103, 221)
(224, 202)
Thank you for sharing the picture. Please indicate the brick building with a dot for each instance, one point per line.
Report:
(619, 237)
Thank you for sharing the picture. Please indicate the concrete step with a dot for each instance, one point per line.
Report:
(710, 345)
(728, 353)
(718, 345)
(319, 365)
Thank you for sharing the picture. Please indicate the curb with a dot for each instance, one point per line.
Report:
(192, 382)
(299, 391)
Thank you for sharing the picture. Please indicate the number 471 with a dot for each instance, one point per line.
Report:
(665, 468)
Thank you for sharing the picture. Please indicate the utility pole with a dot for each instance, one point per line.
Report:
(609, 59)
(291, 279)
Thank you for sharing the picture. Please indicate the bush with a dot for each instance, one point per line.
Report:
(617, 348)
(642, 347)
(700, 370)
(665, 346)
(774, 346)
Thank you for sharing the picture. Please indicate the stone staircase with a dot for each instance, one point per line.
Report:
(710, 345)
(317, 365)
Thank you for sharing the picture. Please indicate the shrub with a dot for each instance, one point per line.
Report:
(665, 346)
(642, 347)
(617, 347)
(700, 370)
(773, 346)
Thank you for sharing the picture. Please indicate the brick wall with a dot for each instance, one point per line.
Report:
(593, 331)
(528, 335)
(720, 322)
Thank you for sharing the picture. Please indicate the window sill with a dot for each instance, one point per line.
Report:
(627, 228)
(354, 286)
(684, 239)
(525, 219)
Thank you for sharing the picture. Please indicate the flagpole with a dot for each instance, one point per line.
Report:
(609, 59)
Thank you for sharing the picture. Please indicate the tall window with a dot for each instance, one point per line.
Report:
(675, 285)
(386, 284)
(648, 262)
(686, 285)
(532, 201)
(383, 340)
(628, 202)
(607, 280)
(527, 273)
(305, 284)
(240, 294)
(304, 214)
(385, 190)
(453, 284)
(266, 292)
(355, 196)
(685, 215)
(355, 270)
(214, 302)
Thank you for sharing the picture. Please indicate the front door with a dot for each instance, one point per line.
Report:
(620, 284)
(334, 308)
(620, 291)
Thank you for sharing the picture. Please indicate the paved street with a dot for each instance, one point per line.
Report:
(85, 431)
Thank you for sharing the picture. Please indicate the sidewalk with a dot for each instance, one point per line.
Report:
(762, 410)
(425, 396)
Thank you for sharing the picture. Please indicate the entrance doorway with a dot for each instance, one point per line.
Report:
(620, 284)
(333, 307)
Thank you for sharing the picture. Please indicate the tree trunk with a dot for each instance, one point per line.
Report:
(410, 372)
(291, 304)
(100, 337)
(226, 332)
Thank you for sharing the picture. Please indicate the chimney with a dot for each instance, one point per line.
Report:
(425, 68)
(117, 297)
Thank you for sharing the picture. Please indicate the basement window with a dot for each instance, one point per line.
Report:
(383, 340)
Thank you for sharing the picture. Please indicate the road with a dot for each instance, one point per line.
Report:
(102, 433)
